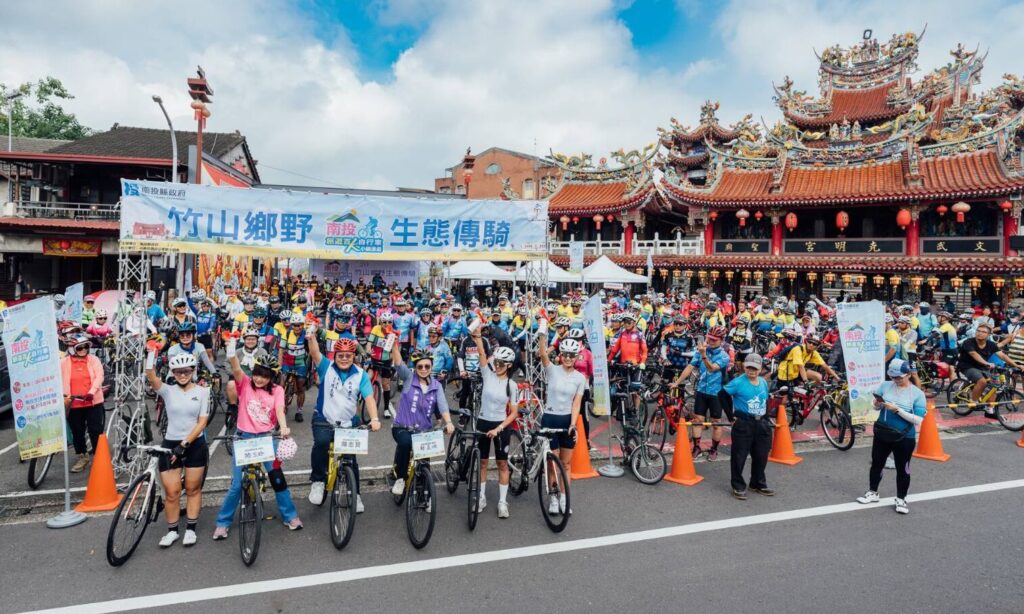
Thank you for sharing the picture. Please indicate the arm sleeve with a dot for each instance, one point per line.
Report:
(205, 358)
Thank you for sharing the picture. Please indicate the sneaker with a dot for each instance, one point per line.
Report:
(220, 533)
(189, 539)
(298, 416)
(294, 525)
(387, 413)
(481, 503)
(168, 540)
(316, 493)
(768, 492)
(80, 464)
(890, 463)
(902, 507)
(697, 451)
(561, 504)
(553, 507)
(502, 509)
(359, 505)
(713, 454)
(399, 488)
(868, 497)
(739, 494)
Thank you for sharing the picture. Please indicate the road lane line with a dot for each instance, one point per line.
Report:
(378, 571)
(9, 448)
(213, 446)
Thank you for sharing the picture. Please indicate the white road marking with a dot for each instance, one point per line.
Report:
(213, 446)
(9, 448)
(379, 571)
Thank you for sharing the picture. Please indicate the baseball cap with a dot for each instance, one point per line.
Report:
(753, 360)
(898, 368)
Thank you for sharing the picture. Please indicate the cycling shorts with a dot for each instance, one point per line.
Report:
(196, 455)
(484, 443)
(707, 405)
(299, 369)
(973, 374)
(383, 369)
(559, 440)
(206, 339)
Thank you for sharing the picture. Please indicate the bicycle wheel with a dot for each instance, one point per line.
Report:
(657, 426)
(519, 481)
(1010, 411)
(648, 464)
(37, 469)
(161, 416)
(453, 461)
(130, 520)
(836, 424)
(250, 521)
(378, 393)
(420, 507)
(473, 476)
(793, 414)
(553, 471)
(957, 395)
(342, 509)
(289, 391)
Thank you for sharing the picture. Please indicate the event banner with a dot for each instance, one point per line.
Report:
(575, 257)
(862, 334)
(593, 324)
(73, 297)
(401, 271)
(37, 389)
(285, 223)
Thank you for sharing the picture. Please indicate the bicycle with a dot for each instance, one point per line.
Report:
(533, 460)
(1005, 402)
(645, 459)
(250, 505)
(831, 401)
(341, 483)
(141, 505)
(420, 508)
(462, 462)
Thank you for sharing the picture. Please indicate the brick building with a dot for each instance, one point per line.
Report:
(500, 173)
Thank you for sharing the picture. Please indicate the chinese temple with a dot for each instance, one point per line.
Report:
(881, 185)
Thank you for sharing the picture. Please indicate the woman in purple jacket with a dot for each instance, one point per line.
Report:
(422, 397)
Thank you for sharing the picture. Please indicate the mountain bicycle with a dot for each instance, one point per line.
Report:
(832, 402)
(1000, 398)
(420, 504)
(531, 459)
(141, 505)
(342, 486)
(462, 462)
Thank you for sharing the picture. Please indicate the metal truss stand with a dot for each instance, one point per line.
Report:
(537, 280)
(128, 422)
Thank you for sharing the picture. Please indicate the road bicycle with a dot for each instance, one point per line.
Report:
(530, 458)
(645, 459)
(462, 462)
(667, 406)
(420, 504)
(343, 489)
(1000, 398)
(250, 506)
(141, 505)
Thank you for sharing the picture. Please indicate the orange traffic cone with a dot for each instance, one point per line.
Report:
(101, 494)
(929, 446)
(683, 472)
(580, 468)
(782, 446)
(1021, 441)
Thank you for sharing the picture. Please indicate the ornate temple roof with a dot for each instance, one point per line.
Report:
(838, 264)
(587, 189)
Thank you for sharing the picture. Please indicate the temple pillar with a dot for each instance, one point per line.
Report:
(1010, 227)
(776, 218)
(627, 238)
(912, 249)
(709, 237)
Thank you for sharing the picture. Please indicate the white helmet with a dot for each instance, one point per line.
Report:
(505, 354)
(386, 318)
(569, 346)
(347, 309)
(151, 295)
(562, 321)
(182, 361)
(285, 315)
(297, 318)
(100, 313)
(199, 295)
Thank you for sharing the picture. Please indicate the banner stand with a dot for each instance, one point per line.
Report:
(610, 469)
(69, 517)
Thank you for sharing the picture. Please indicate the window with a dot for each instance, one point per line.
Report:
(493, 169)
(460, 189)
(528, 189)
(446, 190)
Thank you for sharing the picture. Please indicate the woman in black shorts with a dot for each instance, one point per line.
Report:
(497, 411)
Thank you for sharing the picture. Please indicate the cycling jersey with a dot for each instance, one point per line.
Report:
(630, 347)
(382, 340)
(294, 349)
(710, 382)
(454, 328)
(443, 359)
(206, 322)
(403, 323)
(469, 357)
(340, 391)
(789, 369)
(239, 321)
(674, 347)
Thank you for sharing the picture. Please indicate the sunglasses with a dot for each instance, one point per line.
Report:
(572, 356)
(424, 367)
(500, 363)
(181, 372)
(79, 348)
(345, 355)
(101, 319)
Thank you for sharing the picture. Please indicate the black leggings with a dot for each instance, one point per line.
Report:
(86, 419)
(902, 450)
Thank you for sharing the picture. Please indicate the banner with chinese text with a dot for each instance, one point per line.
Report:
(593, 325)
(298, 224)
(37, 389)
(862, 334)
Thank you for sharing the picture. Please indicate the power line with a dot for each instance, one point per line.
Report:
(284, 170)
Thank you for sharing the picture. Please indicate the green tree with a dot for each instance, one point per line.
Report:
(38, 113)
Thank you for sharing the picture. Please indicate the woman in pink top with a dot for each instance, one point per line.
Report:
(585, 365)
(99, 327)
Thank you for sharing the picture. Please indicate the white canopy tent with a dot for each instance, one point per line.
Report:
(603, 271)
(479, 269)
(555, 273)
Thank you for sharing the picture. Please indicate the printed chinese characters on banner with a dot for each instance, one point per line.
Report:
(862, 335)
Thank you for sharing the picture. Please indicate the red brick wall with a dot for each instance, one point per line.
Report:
(484, 185)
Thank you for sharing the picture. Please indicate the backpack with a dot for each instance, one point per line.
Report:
(781, 350)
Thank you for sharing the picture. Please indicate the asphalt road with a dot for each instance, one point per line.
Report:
(667, 547)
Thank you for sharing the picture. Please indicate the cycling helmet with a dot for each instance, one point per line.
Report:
(576, 302)
(967, 315)
(199, 295)
(472, 301)
(946, 314)
(717, 332)
(248, 300)
(286, 449)
(275, 299)
(101, 313)
(179, 302)
(816, 340)
(266, 360)
(903, 320)
(678, 321)
(386, 318)
(166, 325)
(889, 319)
(259, 312)
(790, 334)
(150, 296)
(347, 309)
(182, 361)
(187, 327)
(303, 298)
(434, 328)
(744, 319)
(576, 333)
(562, 321)
(285, 315)
(419, 355)
(456, 307)
(59, 299)
(400, 301)
(523, 310)
(505, 354)
(426, 312)
(296, 318)
(627, 316)
(250, 331)
(78, 340)
(569, 346)
(345, 344)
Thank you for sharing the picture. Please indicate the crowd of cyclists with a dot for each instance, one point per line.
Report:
(376, 352)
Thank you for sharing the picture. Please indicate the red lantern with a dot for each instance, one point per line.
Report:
(713, 215)
(742, 216)
(610, 218)
(598, 219)
(903, 218)
(941, 210)
(842, 220)
(960, 209)
(65, 245)
(565, 221)
(758, 215)
(1006, 205)
(791, 221)
(575, 220)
